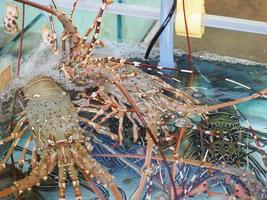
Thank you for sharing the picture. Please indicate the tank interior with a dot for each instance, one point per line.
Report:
(133, 100)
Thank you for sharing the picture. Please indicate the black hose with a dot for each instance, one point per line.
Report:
(163, 26)
(54, 4)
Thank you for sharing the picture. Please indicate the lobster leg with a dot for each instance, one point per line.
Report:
(89, 97)
(90, 166)
(34, 162)
(144, 173)
(11, 149)
(24, 151)
(121, 118)
(135, 128)
(99, 129)
(100, 43)
(102, 110)
(93, 186)
(84, 104)
(67, 164)
(100, 13)
(44, 167)
(54, 36)
(63, 42)
(117, 109)
(9, 138)
(75, 181)
(201, 188)
(112, 114)
(14, 133)
(73, 8)
(97, 28)
(177, 93)
(91, 109)
(64, 66)
(71, 47)
(181, 134)
(62, 179)
(89, 31)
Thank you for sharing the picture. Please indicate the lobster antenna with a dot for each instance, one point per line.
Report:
(21, 40)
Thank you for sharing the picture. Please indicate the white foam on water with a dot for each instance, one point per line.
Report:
(41, 61)
(6, 60)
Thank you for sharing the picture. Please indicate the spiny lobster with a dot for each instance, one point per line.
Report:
(219, 138)
(52, 118)
(119, 92)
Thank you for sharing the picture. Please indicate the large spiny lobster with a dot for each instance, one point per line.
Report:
(58, 139)
(119, 92)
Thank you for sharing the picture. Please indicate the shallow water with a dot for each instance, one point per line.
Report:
(210, 88)
(218, 79)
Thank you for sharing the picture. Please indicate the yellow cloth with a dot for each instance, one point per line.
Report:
(195, 11)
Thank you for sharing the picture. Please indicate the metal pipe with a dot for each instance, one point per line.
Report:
(235, 24)
(166, 37)
(213, 21)
(120, 25)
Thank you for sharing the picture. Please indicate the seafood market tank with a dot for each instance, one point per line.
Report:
(218, 154)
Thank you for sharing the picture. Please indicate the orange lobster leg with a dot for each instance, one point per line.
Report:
(100, 129)
(90, 166)
(34, 162)
(61, 179)
(44, 167)
(24, 151)
(54, 36)
(73, 8)
(75, 181)
(144, 173)
(12, 148)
